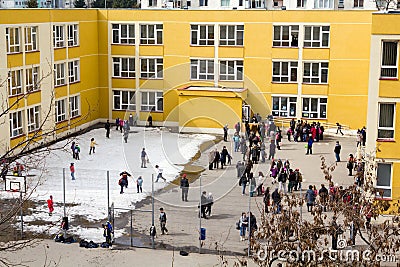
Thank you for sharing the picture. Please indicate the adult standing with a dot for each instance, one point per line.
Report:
(107, 126)
(203, 205)
(364, 135)
(224, 156)
(92, 146)
(310, 198)
(243, 183)
(282, 178)
(350, 164)
(337, 149)
(243, 223)
(237, 127)
(72, 171)
(143, 157)
(130, 119)
(267, 199)
(139, 183)
(163, 221)
(217, 158)
(226, 133)
(276, 198)
(272, 150)
(150, 120)
(50, 205)
(310, 142)
(184, 187)
(236, 140)
(211, 157)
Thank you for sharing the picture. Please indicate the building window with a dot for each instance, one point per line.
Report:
(61, 110)
(151, 34)
(152, 101)
(323, 3)
(202, 34)
(389, 59)
(33, 118)
(386, 120)
(256, 4)
(301, 3)
(202, 69)
(203, 2)
(16, 123)
(124, 67)
(123, 34)
(151, 68)
(152, 3)
(315, 72)
(13, 40)
(283, 106)
(31, 38)
(73, 71)
(231, 70)
(314, 108)
(225, 3)
(58, 36)
(59, 74)
(358, 3)
(73, 34)
(124, 100)
(74, 106)
(384, 180)
(284, 71)
(32, 79)
(231, 35)
(15, 82)
(316, 36)
(286, 36)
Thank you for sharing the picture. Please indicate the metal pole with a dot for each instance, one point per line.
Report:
(249, 218)
(108, 195)
(65, 211)
(301, 206)
(105, 3)
(200, 217)
(152, 208)
(131, 228)
(22, 215)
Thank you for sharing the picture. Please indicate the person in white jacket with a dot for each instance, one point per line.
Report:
(260, 183)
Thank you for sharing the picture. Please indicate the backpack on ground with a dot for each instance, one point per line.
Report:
(105, 245)
(70, 240)
(59, 238)
(83, 243)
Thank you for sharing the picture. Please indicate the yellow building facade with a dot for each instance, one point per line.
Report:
(384, 103)
(194, 69)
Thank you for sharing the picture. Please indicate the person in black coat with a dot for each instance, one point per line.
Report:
(107, 127)
(184, 187)
(123, 181)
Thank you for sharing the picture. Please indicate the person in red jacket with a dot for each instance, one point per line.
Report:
(72, 170)
(50, 205)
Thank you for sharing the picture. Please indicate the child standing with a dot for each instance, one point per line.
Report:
(50, 205)
(139, 184)
(72, 170)
(92, 146)
(77, 151)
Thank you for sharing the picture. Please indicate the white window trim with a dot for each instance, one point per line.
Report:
(331, 4)
(120, 67)
(321, 32)
(73, 110)
(60, 80)
(74, 70)
(72, 38)
(227, 39)
(280, 76)
(62, 116)
(319, 72)
(198, 70)
(387, 128)
(16, 45)
(389, 67)
(318, 107)
(20, 128)
(121, 103)
(155, 100)
(288, 106)
(35, 78)
(28, 30)
(156, 31)
(120, 38)
(197, 32)
(18, 88)
(391, 180)
(157, 74)
(291, 31)
(59, 41)
(235, 68)
(33, 125)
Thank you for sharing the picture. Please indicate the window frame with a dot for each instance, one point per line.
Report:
(31, 33)
(74, 70)
(318, 111)
(151, 107)
(383, 128)
(145, 39)
(13, 40)
(385, 187)
(236, 70)
(301, 3)
(58, 79)
(59, 36)
(231, 41)
(207, 41)
(32, 79)
(280, 110)
(309, 43)
(312, 77)
(149, 74)
(130, 97)
(60, 117)
(358, 4)
(117, 33)
(196, 63)
(279, 42)
(14, 82)
(33, 117)
(290, 68)
(118, 66)
(394, 67)
(73, 35)
(318, 2)
(19, 123)
(74, 106)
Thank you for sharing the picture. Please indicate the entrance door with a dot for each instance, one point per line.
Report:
(246, 113)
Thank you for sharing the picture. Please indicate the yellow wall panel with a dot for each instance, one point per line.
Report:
(314, 89)
(284, 88)
(14, 60)
(152, 84)
(285, 53)
(60, 54)
(61, 91)
(348, 77)
(179, 43)
(316, 53)
(151, 50)
(201, 52)
(128, 50)
(230, 52)
(256, 36)
(389, 88)
(123, 83)
(34, 98)
(32, 58)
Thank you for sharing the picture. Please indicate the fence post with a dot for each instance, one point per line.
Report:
(131, 228)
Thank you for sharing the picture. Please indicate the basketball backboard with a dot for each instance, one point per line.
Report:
(15, 183)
